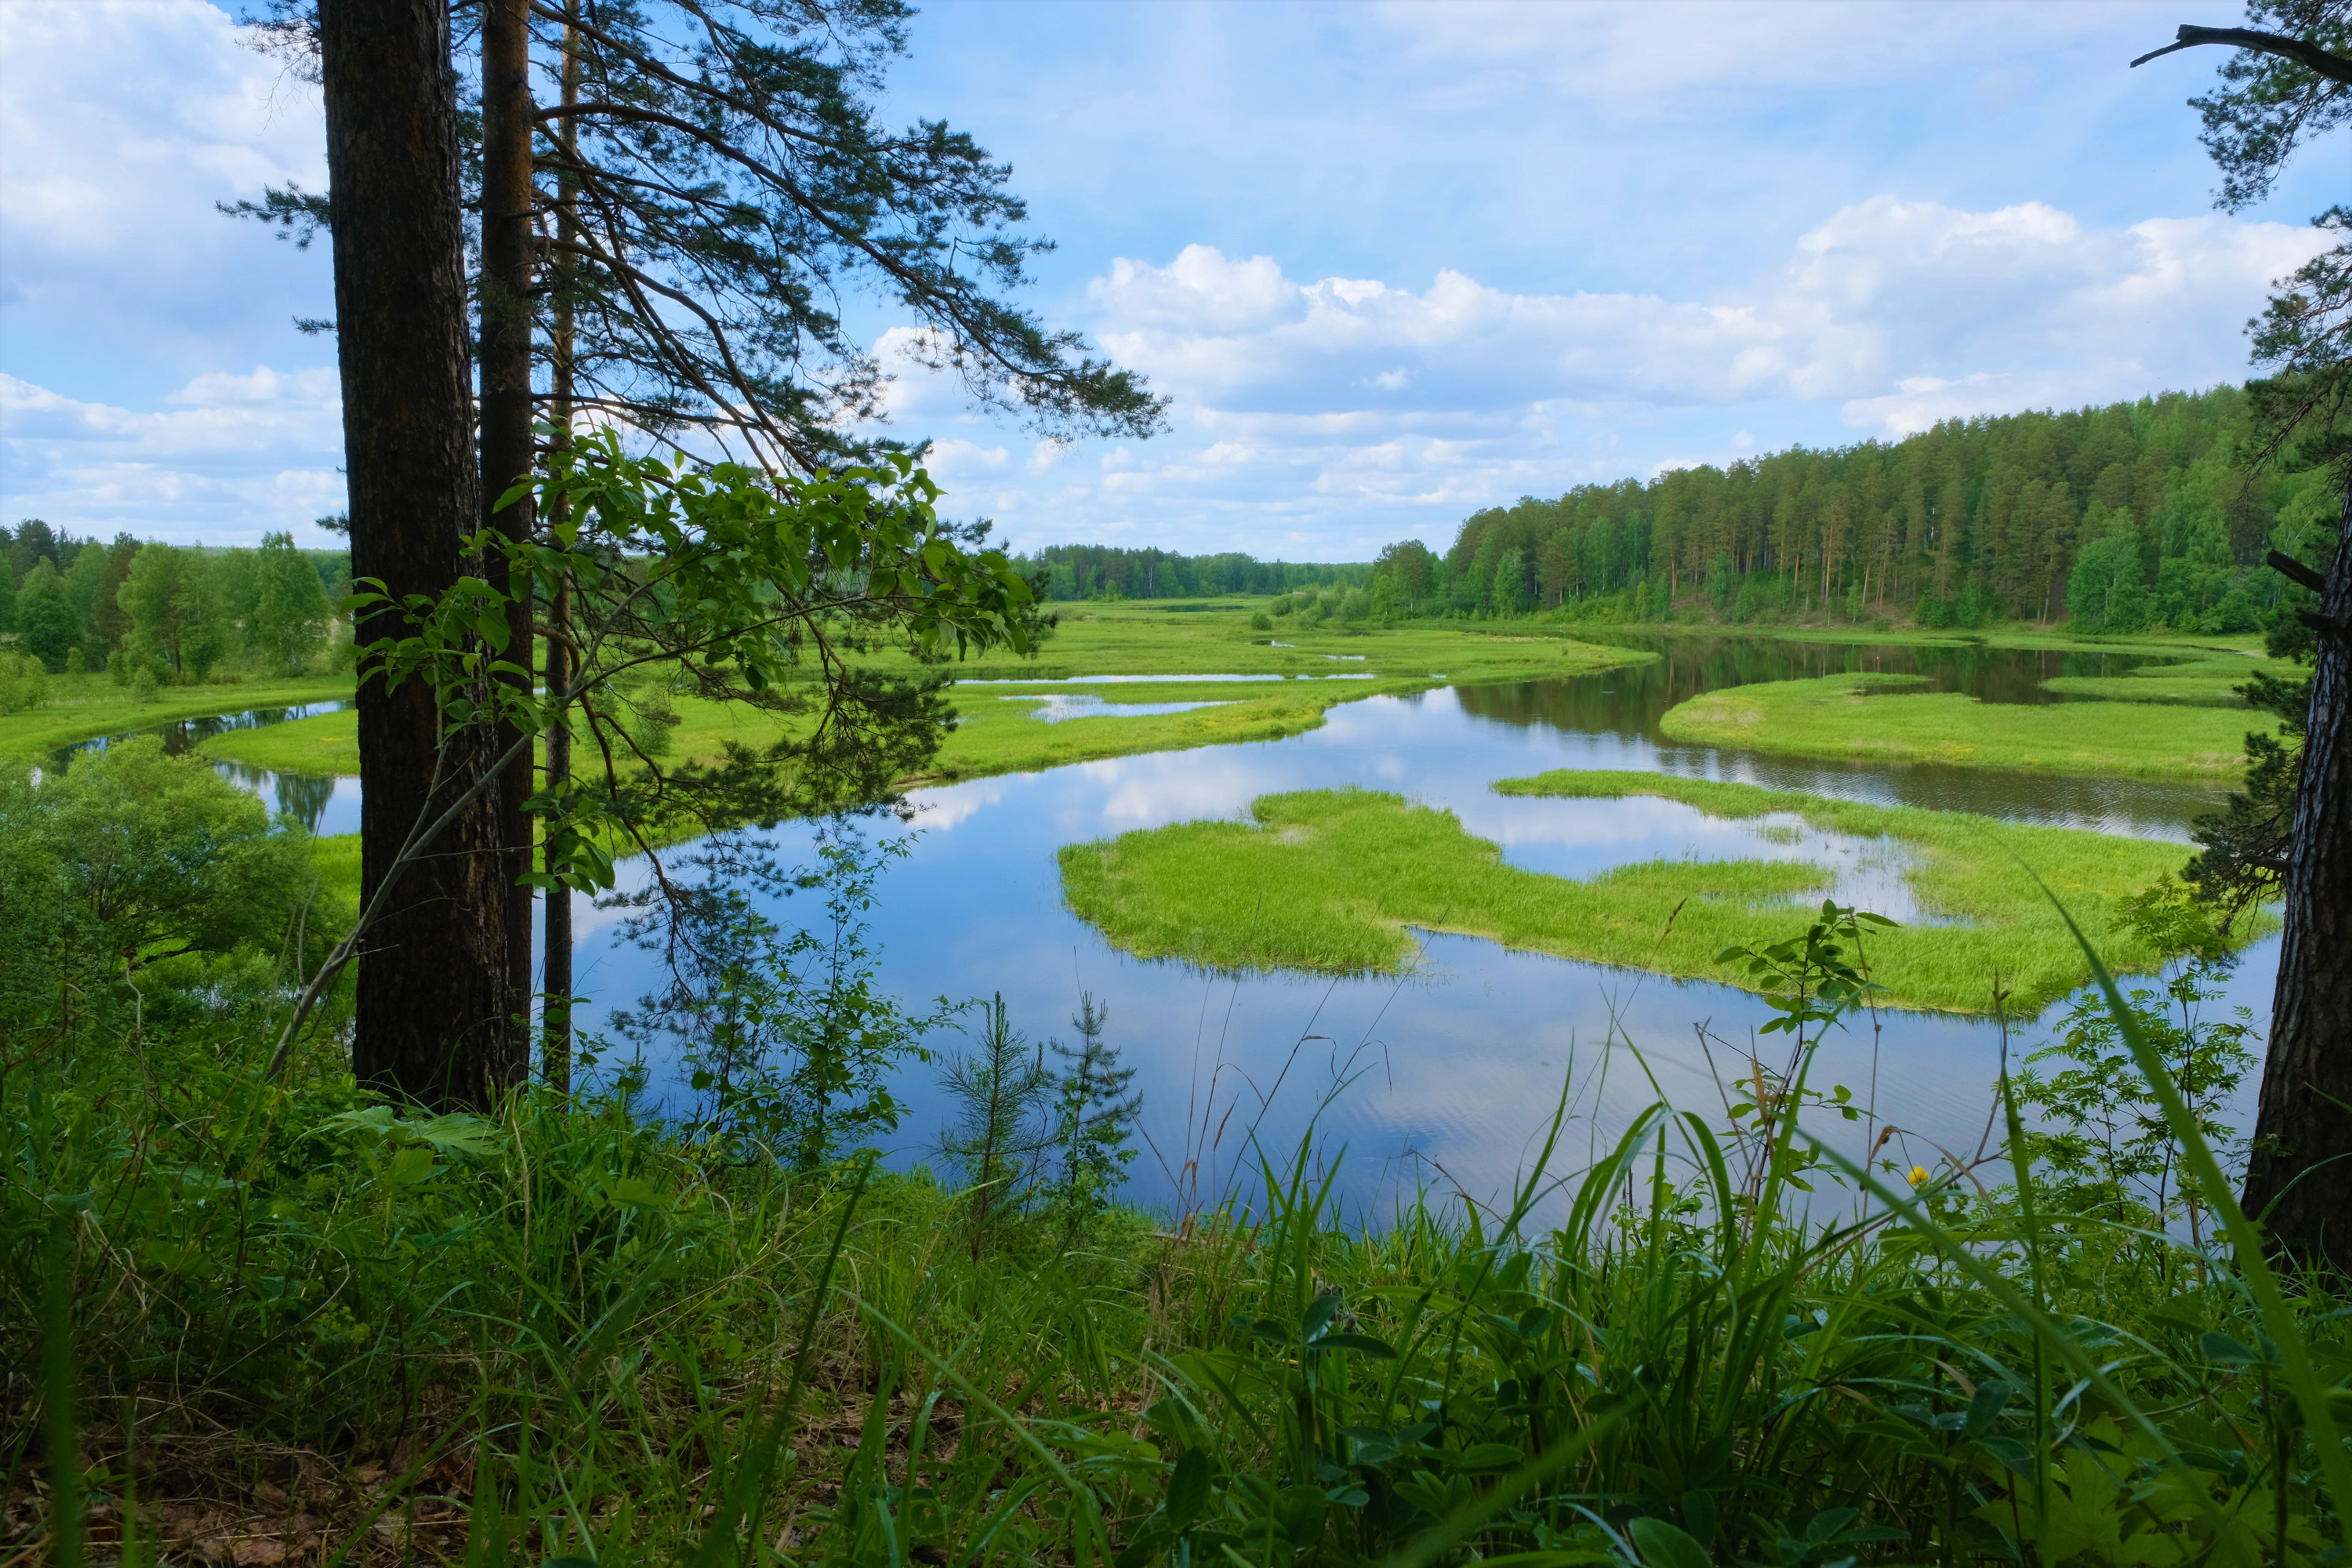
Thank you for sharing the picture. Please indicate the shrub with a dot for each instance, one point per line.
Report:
(1261, 622)
(24, 683)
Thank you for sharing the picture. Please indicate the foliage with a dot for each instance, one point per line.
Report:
(132, 862)
(290, 610)
(783, 1034)
(1071, 572)
(1093, 1116)
(718, 177)
(47, 626)
(1965, 524)
(24, 682)
(179, 623)
(1000, 1136)
(2114, 1156)
(328, 1311)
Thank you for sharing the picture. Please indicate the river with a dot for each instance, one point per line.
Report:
(1447, 1078)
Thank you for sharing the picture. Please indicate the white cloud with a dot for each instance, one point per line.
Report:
(1881, 291)
(1351, 410)
(121, 125)
(232, 457)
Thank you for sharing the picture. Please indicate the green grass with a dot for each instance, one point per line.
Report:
(1870, 718)
(1331, 879)
(995, 736)
(1152, 638)
(328, 743)
(81, 706)
(2207, 682)
(336, 860)
(569, 1332)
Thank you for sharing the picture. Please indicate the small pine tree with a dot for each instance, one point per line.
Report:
(1094, 1119)
(1001, 1133)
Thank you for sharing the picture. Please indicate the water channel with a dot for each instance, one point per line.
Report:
(1446, 1077)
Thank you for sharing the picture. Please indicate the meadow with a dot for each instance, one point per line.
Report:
(994, 735)
(1872, 717)
(282, 1321)
(78, 707)
(1339, 880)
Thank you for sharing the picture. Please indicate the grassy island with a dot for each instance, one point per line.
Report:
(1871, 718)
(1338, 880)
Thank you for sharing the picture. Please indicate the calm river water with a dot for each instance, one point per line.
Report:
(1447, 1078)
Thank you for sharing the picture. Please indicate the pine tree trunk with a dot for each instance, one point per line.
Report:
(555, 1013)
(2305, 1113)
(434, 999)
(506, 452)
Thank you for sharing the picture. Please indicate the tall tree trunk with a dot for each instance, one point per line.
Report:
(434, 998)
(555, 1014)
(2305, 1112)
(506, 452)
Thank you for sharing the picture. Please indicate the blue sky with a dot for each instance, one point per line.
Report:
(1392, 263)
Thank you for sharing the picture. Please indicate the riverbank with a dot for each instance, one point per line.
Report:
(1295, 680)
(81, 707)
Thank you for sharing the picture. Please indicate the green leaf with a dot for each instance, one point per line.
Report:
(1662, 1545)
(1362, 1344)
(1188, 1490)
(1487, 1457)
(411, 1165)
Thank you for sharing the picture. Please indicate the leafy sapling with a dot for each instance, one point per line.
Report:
(784, 1035)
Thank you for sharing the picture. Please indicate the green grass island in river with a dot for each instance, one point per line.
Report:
(1872, 717)
(1338, 880)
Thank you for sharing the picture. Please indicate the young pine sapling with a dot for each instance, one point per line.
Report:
(1002, 1133)
(1094, 1119)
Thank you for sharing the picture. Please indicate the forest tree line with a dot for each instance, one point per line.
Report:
(1107, 571)
(2128, 518)
(153, 614)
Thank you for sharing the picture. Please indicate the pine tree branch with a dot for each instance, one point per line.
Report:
(2296, 572)
(2309, 56)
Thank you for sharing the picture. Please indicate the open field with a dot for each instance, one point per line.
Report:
(81, 706)
(1331, 879)
(1870, 718)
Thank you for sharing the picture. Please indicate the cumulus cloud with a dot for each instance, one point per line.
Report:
(123, 123)
(1343, 411)
(230, 457)
(1882, 293)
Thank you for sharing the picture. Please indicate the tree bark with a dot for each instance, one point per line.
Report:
(555, 1012)
(507, 120)
(434, 998)
(2305, 1112)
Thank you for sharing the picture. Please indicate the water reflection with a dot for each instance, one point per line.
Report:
(323, 803)
(1451, 1072)
(1056, 706)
